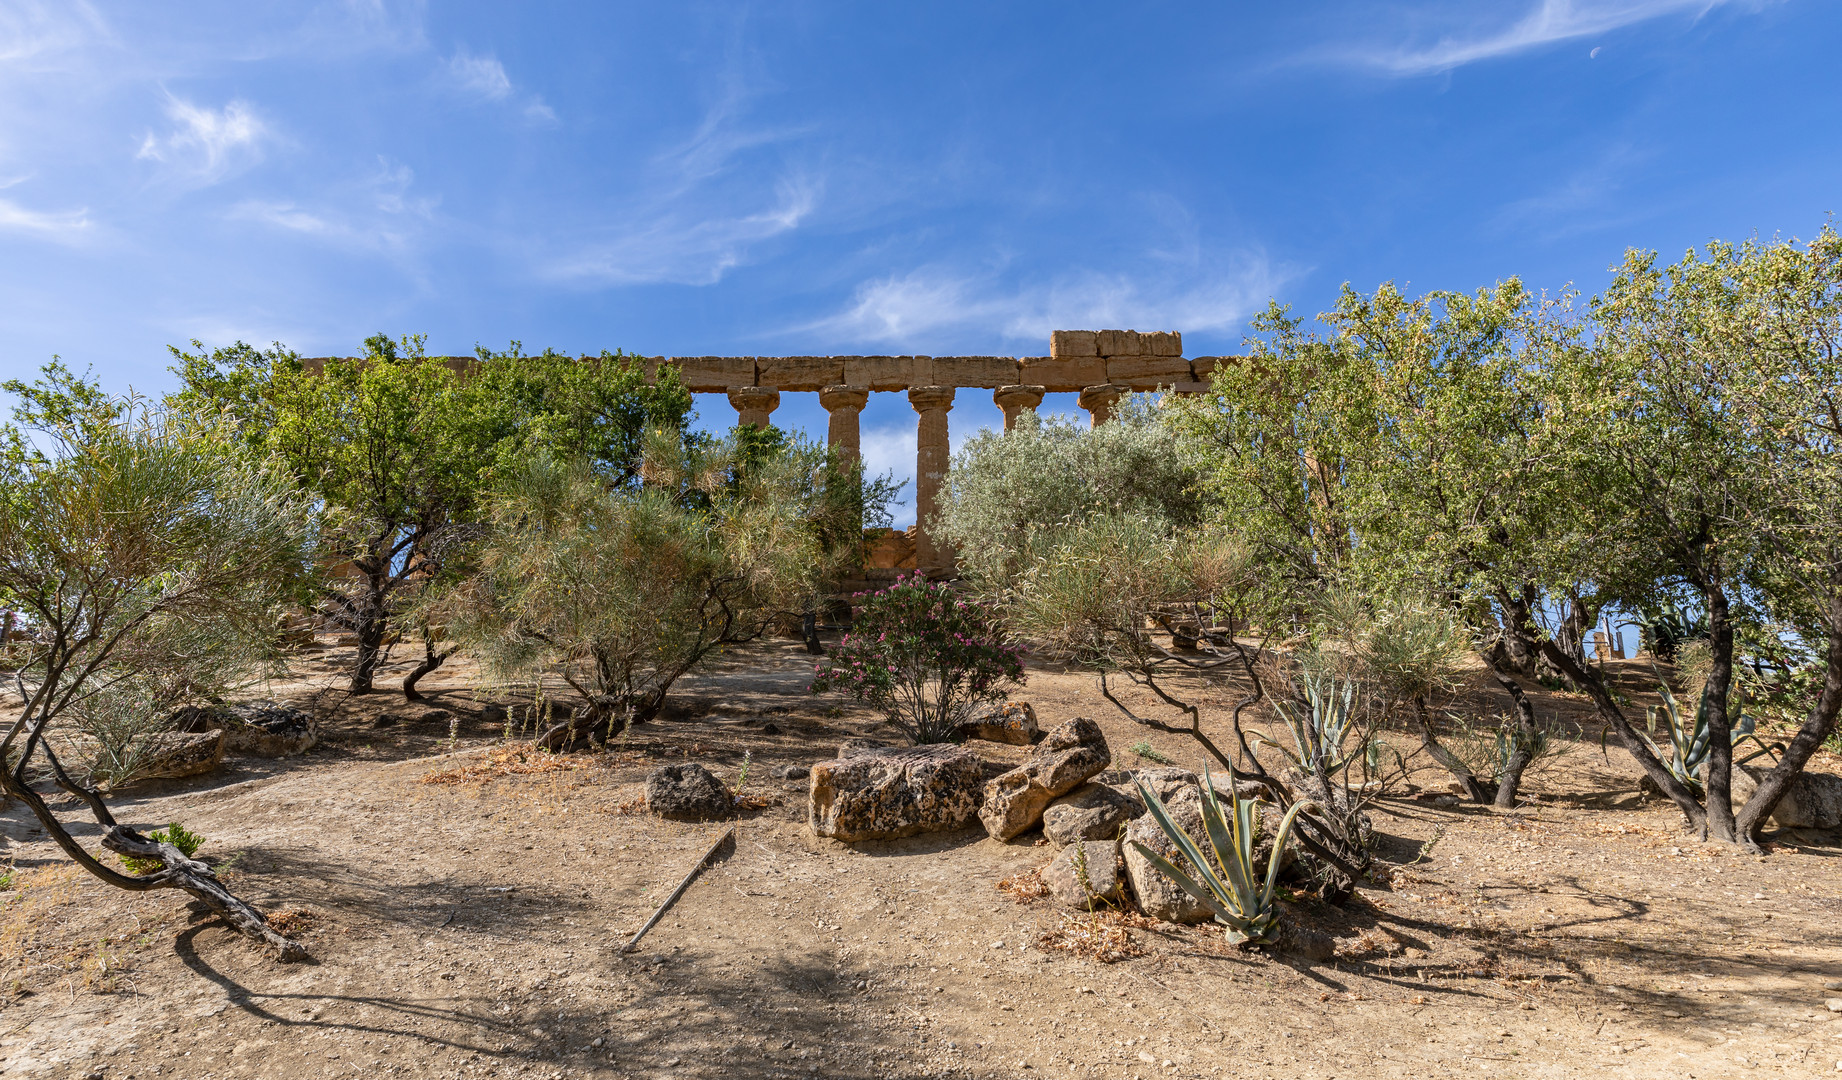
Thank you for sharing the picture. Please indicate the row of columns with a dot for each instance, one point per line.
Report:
(844, 406)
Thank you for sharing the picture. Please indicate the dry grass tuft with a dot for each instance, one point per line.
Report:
(1102, 937)
(1025, 888)
(293, 922)
(525, 759)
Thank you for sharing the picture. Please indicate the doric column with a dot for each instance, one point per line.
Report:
(1015, 399)
(931, 453)
(754, 403)
(1098, 401)
(845, 404)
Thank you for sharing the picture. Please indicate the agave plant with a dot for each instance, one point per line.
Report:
(1317, 737)
(1229, 886)
(1689, 739)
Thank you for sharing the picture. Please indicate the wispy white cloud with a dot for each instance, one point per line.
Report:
(1548, 22)
(207, 145)
(31, 31)
(378, 214)
(484, 79)
(675, 242)
(64, 226)
(936, 304)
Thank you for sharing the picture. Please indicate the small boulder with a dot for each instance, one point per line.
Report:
(1089, 812)
(1013, 722)
(1015, 800)
(174, 754)
(883, 793)
(1814, 800)
(1158, 896)
(791, 772)
(268, 729)
(687, 792)
(1086, 873)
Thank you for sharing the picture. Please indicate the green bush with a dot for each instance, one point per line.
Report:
(187, 841)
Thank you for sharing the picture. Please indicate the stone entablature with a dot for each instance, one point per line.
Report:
(1099, 365)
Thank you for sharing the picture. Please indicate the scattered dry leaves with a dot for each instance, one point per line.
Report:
(292, 922)
(1026, 887)
(1101, 937)
(525, 759)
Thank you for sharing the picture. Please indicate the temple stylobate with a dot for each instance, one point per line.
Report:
(1099, 365)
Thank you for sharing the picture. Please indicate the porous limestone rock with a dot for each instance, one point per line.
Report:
(1158, 896)
(173, 754)
(687, 792)
(1089, 812)
(1015, 800)
(1085, 874)
(1013, 722)
(1814, 800)
(883, 793)
(262, 728)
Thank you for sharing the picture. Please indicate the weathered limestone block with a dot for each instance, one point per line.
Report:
(687, 792)
(715, 374)
(883, 794)
(799, 372)
(1203, 367)
(1089, 812)
(268, 729)
(1073, 343)
(1014, 801)
(888, 372)
(1013, 722)
(1062, 375)
(173, 754)
(987, 372)
(1086, 874)
(1158, 896)
(1119, 342)
(1162, 343)
(1814, 801)
(1148, 372)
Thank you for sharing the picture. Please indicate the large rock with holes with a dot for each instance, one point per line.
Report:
(1086, 874)
(688, 792)
(261, 728)
(884, 793)
(1090, 812)
(1014, 801)
(173, 754)
(1013, 722)
(1158, 896)
(1814, 800)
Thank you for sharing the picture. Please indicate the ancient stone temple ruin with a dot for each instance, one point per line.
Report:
(1099, 365)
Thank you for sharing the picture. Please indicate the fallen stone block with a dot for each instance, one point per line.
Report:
(874, 793)
(1157, 895)
(1085, 874)
(688, 792)
(1089, 812)
(1814, 800)
(1013, 722)
(1015, 800)
(174, 754)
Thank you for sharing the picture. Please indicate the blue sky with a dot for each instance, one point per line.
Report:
(789, 178)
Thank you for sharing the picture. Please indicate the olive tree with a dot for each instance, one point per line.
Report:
(401, 448)
(152, 557)
(622, 589)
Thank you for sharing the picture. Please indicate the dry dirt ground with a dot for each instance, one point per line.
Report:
(472, 928)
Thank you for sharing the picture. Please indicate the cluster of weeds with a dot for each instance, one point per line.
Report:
(187, 841)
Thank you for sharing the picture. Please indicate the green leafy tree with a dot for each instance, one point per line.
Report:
(622, 589)
(401, 449)
(152, 557)
(1050, 473)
